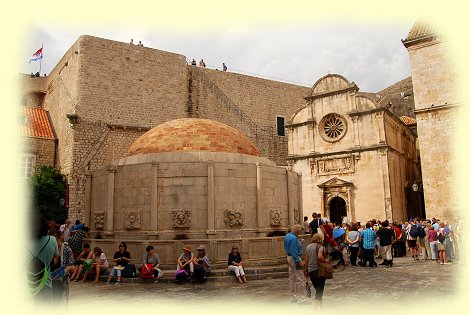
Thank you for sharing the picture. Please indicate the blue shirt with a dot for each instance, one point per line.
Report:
(368, 237)
(293, 246)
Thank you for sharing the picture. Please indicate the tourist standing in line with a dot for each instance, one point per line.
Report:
(368, 243)
(386, 234)
(427, 245)
(411, 236)
(353, 239)
(441, 244)
(306, 226)
(293, 248)
(315, 253)
(432, 238)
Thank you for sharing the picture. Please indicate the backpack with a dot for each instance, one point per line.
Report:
(37, 272)
(422, 233)
(129, 271)
(414, 231)
(441, 238)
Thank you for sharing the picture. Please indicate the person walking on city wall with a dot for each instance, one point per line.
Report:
(315, 253)
(224, 67)
(293, 248)
(368, 243)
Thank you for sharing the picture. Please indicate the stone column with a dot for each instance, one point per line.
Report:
(210, 199)
(87, 214)
(290, 206)
(290, 141)
(153, 228)
(379, 116)
(109, 223)
(259, 196)
(300, 203)
(386, 183)
(349, 212)
(310, 137)
(355, 120)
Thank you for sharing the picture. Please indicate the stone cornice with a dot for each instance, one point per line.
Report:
(351, 151)
(124, 127)
(320, 95)
(438, 107)
(309, 121)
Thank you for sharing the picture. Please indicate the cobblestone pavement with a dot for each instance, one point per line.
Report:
(406, 280)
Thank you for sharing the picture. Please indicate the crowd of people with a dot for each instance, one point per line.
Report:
(62, 256)
(65, 258)
(356, 244)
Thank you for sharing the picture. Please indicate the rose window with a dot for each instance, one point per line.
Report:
(332, 127)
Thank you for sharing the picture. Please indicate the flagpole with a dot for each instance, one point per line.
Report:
(40, 60)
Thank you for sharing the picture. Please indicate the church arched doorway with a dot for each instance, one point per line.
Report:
(337, 209)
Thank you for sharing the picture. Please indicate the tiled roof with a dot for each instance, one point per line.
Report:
(419, 30)
(193, 134)
(408, 120)
(37, 123)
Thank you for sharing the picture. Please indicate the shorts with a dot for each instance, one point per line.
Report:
(441, 247)
(412, 243)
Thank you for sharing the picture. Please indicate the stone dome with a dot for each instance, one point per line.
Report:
(191, 135)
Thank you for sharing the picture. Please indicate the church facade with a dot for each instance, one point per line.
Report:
(357, 159)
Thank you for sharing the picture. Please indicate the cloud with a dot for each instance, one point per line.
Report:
(370, 55)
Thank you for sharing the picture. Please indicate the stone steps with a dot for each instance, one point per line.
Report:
(260, 272)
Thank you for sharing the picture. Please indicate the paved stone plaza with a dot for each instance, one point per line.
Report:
(405, 281)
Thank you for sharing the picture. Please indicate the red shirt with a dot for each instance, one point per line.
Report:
(397, 232)
(432, 235)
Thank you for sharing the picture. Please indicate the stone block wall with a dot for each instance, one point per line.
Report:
(41, 147)
(438, 161)
(126, 84)
(437, 111)
(434, 80)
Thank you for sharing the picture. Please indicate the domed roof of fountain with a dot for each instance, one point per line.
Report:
(192, 135)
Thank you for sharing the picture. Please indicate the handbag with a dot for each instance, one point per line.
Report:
(147, 273)
(325, 269)
(57, 274)
(308, 290)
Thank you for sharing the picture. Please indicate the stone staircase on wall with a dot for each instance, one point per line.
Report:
(228, 103)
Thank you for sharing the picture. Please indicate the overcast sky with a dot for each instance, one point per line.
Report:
(371, 55)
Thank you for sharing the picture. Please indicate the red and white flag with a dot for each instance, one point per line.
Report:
(36, 56)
